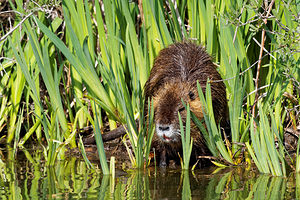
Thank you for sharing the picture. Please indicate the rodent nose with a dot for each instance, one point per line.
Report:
(163, 128)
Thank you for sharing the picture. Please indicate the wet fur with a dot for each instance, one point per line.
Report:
(174, 77)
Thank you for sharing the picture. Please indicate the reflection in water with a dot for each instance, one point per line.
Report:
(71, 179)
(186, 188)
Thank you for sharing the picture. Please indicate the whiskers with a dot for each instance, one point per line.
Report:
(177, 132)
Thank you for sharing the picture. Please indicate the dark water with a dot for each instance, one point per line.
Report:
(71, 179)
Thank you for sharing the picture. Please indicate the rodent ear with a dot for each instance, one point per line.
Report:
(192, 95)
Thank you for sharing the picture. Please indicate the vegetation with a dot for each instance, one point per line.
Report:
(187, 141)
(66, 65)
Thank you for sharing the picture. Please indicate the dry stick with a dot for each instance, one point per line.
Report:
(260, 56)
(14, 28)
(140, 5)
(241, 73)
(23, 20)
(177, 14)
(236, 29)
(111, 135)
(268, 53)
(69, 79)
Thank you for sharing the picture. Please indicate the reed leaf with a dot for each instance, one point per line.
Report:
(235, 111)
(269, 159)
(99, 143)
(87, 73)
(298, 159)
(50, 81)
(214, 132)
(186, 140)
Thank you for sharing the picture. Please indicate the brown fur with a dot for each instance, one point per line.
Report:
(174, 78)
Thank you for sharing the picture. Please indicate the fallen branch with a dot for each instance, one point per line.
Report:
(111, 135)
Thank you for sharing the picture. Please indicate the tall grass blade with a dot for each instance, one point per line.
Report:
(99, 142)
(213, 130)
(88, 73)
(52, 86)
(186, 140)
(298, 158)
(86, 160)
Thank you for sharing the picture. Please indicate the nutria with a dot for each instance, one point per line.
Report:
(173, 78)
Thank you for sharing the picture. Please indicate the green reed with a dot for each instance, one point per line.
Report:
(186, 140)
(186, 186)
(298, 157)
(99, 143)
(213, 129)
(297, 185)
(266, 157)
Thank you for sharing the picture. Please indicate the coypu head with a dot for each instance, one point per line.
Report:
(173, 78)
(168, 102)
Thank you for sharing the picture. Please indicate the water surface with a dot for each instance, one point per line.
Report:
(70, 179)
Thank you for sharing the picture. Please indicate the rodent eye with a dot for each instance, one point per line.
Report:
(192, 95)
(181, 109)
